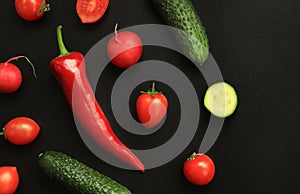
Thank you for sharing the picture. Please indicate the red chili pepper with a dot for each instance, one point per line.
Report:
(70, 71)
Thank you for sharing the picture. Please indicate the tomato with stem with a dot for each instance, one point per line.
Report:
(9, 179)
(199, 169)
(21, 130)
(151, 107)
(31, 10)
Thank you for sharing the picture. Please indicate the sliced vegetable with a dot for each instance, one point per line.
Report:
(221, 99)
(21, 130)
(151, 107)
(90, 11)
(124, 49)
(181, 14)
(11, 76)
(9, 179)
(78, 176)
(31, 10)
(199, 169)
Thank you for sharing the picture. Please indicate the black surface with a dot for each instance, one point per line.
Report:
(255, 43)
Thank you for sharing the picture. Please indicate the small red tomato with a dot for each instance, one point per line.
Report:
(21, 130)
(31, 10)
(199, 169)
(151, 107)
(124, 49)
(90, 11)
(9, 179)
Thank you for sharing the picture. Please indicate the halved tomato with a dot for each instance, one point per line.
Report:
(90, 11)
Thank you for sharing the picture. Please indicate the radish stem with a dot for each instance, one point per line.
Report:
(18, 57)
(116, 34)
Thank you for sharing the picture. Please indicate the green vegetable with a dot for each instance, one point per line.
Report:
(181, 14)
(77, 176)
(221, 99)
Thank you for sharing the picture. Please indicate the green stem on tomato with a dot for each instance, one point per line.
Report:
(2, 132)
(192, 157)
(152, 92)
(61, 45)
(44, 7)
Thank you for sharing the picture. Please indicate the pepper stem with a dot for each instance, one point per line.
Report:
(61, 45)
(152, 92)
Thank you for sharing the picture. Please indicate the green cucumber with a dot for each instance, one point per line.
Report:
(182, 15)
(221, 99)
(77, 176)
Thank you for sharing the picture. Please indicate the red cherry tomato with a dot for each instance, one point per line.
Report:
(90, 11)
(31, 10)
(199, 169)
(124, 49)
(151, 107)
(9, 179)
(21, 130)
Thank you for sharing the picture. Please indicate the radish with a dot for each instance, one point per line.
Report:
(11, 76)
(124, 49)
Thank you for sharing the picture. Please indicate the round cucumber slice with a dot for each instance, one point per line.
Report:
(221, 99)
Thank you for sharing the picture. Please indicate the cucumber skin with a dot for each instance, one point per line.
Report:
(76, 176)
(181, 14)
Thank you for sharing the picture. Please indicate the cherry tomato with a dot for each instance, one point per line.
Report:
(21, 130)
(90, 11)
(9, 179)
(31, 10)
(151, 107)
(199, 169)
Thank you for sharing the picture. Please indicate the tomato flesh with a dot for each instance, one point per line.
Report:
(90, 11)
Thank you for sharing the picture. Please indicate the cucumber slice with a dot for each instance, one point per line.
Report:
(221, 99)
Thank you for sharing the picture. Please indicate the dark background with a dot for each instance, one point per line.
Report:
(256, 45)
